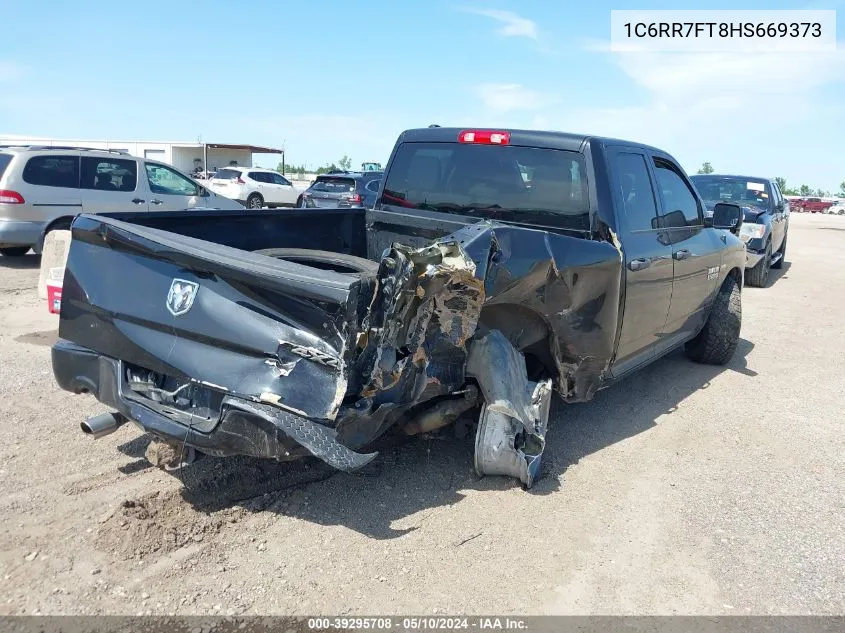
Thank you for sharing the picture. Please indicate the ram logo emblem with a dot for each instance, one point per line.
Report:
(181, 296)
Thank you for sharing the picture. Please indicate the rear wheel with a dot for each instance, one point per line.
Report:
(717, 341)
(14, 251)
(254, 201)
(759, 275)
(327, 260)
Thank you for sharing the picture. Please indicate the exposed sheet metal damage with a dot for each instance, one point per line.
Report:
(425, 334)
(294, 359)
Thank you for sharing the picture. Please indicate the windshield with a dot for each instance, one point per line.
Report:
(742, 191)
(5, 159)
(333, 185)
(498, 182)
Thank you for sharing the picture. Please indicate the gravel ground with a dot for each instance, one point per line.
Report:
(686, 489)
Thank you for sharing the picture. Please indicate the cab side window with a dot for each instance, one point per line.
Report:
(637, 194)
(779, 202)
(681, 208)
(164, 180)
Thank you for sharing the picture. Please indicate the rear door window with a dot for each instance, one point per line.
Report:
(258, 176)
(52, 171)
(333, 185)
(108, 174)
(637, 193)
(5, 159)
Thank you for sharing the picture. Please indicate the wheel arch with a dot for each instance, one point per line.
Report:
(527, 330)
(63, 219)
(736, 273)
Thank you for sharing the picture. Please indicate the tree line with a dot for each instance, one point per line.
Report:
(344, 164)
(803, 190)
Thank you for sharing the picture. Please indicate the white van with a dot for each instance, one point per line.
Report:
(43, 188)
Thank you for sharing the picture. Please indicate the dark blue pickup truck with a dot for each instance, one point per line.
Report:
(495, 268)
(765, 225)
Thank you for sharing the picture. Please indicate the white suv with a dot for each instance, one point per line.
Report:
(44, 188)
(254, 187)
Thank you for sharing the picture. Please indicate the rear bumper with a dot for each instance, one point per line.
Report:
(243, 427)
(19, 233)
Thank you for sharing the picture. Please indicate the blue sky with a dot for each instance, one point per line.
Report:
(349, 76)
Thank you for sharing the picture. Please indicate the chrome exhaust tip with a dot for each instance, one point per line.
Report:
(103, 424)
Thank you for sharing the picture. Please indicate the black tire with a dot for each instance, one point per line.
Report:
(759, 275)
(782, 253)
(338, 262)
(717, 341)
(14, 251)
(299, 202)
(254, 201)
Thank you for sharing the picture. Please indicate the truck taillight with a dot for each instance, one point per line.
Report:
(11, 197)
(484, 137)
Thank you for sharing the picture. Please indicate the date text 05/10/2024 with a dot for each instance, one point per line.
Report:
(431, 623)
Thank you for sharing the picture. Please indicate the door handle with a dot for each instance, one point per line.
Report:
(681, 254)
(638, 264)
(138, 200)
(157, 201)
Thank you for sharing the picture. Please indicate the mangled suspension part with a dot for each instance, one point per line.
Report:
(443, 413)
(512, 426)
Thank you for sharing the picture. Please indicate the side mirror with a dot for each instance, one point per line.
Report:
(727, 216)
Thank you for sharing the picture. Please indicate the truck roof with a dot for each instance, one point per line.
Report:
(538, 138)
(737, 176)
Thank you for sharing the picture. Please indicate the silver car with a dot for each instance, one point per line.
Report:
(44, 188)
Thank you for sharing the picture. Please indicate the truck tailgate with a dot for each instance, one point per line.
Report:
(234, 321)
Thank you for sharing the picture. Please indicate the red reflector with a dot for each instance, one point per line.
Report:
(11, 197)
(484, 137)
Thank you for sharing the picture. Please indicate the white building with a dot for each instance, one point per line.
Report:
(186, 157)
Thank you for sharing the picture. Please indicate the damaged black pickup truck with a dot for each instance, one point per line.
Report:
(496, 268)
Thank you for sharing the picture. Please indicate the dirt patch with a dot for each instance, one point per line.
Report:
(47, 338)
(159, 524)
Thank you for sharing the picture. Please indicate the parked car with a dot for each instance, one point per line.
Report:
(766, 218)
(254, 187)
(343, 189)
(814, 205)
(465, 289)
(838, 208)
(43, 188)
